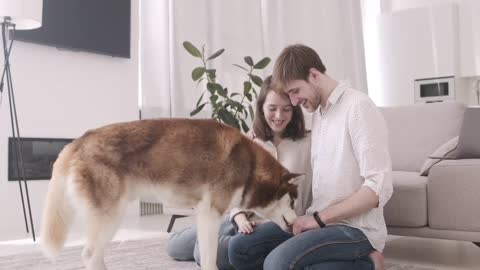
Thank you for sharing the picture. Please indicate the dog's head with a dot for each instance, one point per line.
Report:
(280, 207)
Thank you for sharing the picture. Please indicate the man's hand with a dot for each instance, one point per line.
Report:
(304, 223)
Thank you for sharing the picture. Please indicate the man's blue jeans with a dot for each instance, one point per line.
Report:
(333, 247)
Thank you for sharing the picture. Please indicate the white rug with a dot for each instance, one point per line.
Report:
(132, 255)
(125, 255)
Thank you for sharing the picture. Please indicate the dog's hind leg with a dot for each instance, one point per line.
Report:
(208, 224)
(101, 227)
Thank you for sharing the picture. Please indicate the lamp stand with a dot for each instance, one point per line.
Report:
(7, 29)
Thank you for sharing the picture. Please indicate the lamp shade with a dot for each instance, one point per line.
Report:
(25, 14)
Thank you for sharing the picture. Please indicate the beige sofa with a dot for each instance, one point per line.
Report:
(445, 203)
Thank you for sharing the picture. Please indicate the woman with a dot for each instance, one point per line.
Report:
(280, 129)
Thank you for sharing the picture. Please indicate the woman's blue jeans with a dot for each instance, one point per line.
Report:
(183, 246)
(335, 247)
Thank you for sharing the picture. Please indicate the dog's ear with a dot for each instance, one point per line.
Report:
(294, 178)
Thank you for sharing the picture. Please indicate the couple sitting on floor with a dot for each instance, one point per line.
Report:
(348, 168)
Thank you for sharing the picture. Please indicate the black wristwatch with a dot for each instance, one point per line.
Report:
(318, 219)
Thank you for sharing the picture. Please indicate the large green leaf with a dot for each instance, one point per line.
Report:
(222, 91)
(212, 74)
(213, 99)
(214, 88)
(246, 87)
(244, 126)
(255, 92)
(211, 89)
(200, 99)
(192, 49)
(256, 80)
(228, 118)
(248, 60)
(216, 54)
(198, 109)
(235, 104)
(197, 73)
(262, 63)
(216, 106)
(252, 112)
(249, 97)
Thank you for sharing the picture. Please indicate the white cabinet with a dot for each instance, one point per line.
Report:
(414, 44)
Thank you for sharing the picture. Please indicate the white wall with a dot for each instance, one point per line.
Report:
(414, 41)
(61, 94)
(468, 34)
(415, 44)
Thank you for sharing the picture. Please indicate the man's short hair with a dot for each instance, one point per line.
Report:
(294, 63)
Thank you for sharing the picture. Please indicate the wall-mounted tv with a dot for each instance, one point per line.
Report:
(98, 26)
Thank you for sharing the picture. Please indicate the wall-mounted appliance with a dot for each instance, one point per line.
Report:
(437, 89)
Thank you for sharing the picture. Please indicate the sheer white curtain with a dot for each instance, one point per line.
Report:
(257, 28)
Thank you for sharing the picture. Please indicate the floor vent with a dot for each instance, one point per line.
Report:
(148, 208)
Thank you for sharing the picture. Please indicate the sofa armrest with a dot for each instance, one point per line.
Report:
(453, 195)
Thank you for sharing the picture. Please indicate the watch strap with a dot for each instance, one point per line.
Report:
(318, 219)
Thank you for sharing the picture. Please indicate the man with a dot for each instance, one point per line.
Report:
(344, 228)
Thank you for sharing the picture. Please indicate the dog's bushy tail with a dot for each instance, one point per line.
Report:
(57, 214)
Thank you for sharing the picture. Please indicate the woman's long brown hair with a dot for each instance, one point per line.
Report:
(295, 128)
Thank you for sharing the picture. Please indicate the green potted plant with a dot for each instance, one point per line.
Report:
(230, 107)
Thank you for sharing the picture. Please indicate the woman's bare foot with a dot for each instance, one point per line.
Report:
(377, 259)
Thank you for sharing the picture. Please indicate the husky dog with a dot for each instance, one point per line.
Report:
(189, 163)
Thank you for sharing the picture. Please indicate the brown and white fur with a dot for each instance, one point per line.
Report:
(189, 163)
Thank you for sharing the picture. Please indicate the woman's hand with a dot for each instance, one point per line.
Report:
(251, 134)
(245, 226)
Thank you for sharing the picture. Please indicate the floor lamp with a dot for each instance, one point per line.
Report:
(17, 15)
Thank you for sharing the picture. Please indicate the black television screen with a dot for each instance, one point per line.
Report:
(99, 26)
(39, 154)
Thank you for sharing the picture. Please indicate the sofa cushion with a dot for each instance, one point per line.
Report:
(415, 131)
(453, 195)
(469, 144)
(408, 205)
(446, 150)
